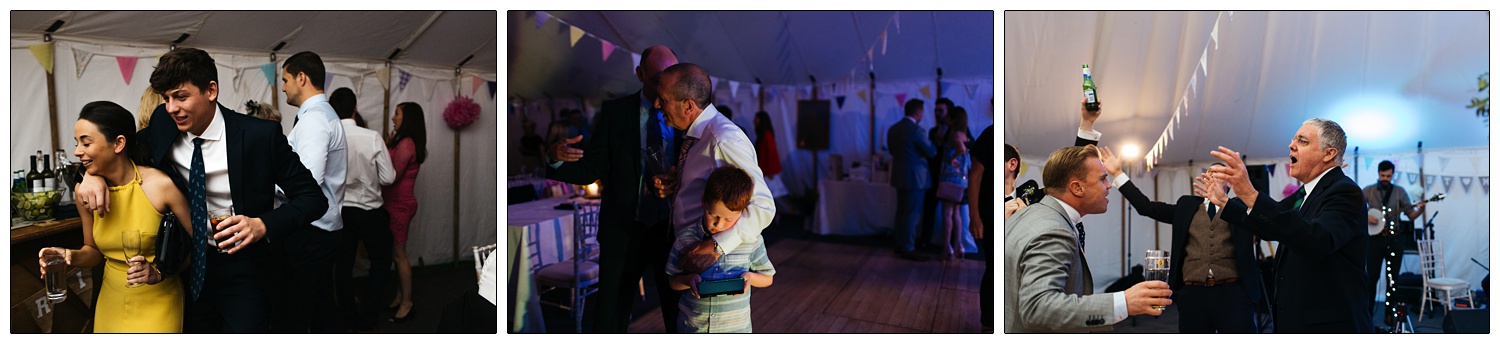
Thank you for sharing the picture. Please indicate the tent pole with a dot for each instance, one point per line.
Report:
(1156, 194)
(872, 114)
(52, 101)
(456, 160)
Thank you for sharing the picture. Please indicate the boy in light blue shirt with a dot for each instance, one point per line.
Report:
(725, 199)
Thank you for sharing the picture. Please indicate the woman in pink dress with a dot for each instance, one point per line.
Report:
(408, 148)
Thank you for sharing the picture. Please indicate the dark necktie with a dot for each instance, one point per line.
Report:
(1080, 236)
(199, 203)
(1211, 210)
(1299, 195)
(649, 211)
(687, 143)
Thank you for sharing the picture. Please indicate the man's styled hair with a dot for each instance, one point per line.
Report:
(1065, 165)
(1386, 165)
(1331, 135)
(343, 102)
(944, 101)
(731, 185)
(184, 65)
(692, 83)
(913, 106)
(309, 63)
(1011, 153)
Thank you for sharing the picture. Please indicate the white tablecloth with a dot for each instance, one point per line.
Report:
(855, 208)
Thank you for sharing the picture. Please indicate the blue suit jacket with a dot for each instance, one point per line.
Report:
(909, 153)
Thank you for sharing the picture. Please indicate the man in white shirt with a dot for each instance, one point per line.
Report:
(318, 139)
(709, 141)
(364, 217)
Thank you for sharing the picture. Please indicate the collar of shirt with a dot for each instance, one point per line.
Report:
(695, 130)
(215, 130)
(348, 122)
(913, 120)
(1073, 215)
(307, 104)
(1307, 189)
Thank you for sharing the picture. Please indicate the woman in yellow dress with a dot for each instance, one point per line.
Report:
(140, 196)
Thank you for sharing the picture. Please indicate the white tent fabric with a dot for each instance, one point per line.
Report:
(432, 239)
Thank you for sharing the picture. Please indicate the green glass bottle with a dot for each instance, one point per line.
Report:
(1090, 93)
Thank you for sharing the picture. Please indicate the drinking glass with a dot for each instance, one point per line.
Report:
(1157, 263)
(131, 241)
(57, 287)
(214, 217)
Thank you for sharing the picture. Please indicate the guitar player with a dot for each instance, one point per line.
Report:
(1382, 245)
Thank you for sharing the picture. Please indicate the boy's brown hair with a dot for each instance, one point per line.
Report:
(731, 185)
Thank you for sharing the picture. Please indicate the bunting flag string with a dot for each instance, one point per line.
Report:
(541, 18)
(1192, 89)
(477, 82)
(492, 86)
(900, 99)
(734, 89)
(927, 91)
(384, 74)
(1466, 182)
(1411, 178)
(405, 78)
(1485, 182)
(606, 49)
(862, 96)
(840, 101)
(755, 90)
(1447, 183)
(269, 70)
(1430, 179)
(1272, 170)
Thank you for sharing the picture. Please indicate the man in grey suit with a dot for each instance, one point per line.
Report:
(909, 153)
(1048, 287)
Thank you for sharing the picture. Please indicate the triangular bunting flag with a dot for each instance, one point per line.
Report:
(927, 91)
(607, 48)
(1288, 168)
(43, 54)
(1171, 134)
(81, 60)
(870, 56)
(901, 99)
(1411, 178)
(862, 96)
(1442, 164)
(1203, 60)
(269, 70)
(970, 88)
(327, 79)
(477, 82)
(1192, 86)
(574, 33)
(896, 18)
(713, 82)
(1430, 179)
(840, 100)
(541, 18)
(734, 89)
(1466, 182)
(947, 86)
(1214, 35)
(635, 60)
(405, 78)
(882, 43)
(1272, 170)
(1369, 160)
(1231, 15)
(127, 67)
(384, 74)
(491, 84)
(1485, 182)
(755, 90)
(1447, 183)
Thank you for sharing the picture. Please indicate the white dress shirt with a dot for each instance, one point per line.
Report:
(215, 161)
(318, 139)
(369, 167)
(720, 143)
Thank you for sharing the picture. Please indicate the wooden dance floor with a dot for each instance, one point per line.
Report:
(826, 287)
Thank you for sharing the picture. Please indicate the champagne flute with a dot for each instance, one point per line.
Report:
(131, 241)
(1158, 263)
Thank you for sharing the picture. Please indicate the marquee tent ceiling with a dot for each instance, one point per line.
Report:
(1389, 78)
(432, 38)
(779, 47)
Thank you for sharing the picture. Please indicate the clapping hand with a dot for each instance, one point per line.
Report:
(1212, 189)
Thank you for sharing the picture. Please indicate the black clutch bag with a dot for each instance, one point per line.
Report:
(171, 246)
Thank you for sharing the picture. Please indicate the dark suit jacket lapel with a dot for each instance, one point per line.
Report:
(1315, 199)
(235, 140)
(632, 134)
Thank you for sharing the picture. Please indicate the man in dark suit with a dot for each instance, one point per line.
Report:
(1213, 273)
(1321, 285)
(631, 143)
(909, 152)
(230, 161)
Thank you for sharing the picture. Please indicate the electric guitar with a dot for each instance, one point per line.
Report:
(1388, 217)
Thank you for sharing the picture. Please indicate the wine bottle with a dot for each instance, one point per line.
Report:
(49, 178)
(1090, 93)
(33, 178)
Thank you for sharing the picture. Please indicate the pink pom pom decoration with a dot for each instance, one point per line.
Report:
(461, 112)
